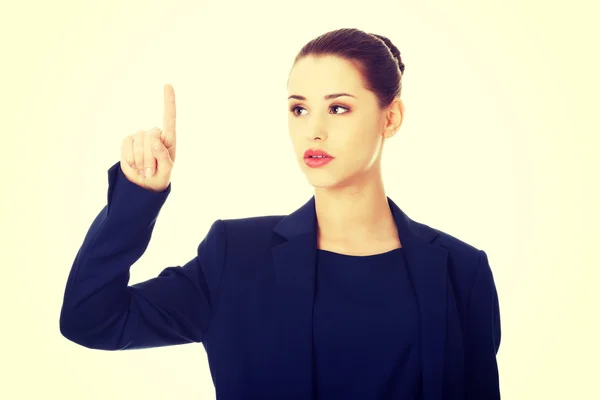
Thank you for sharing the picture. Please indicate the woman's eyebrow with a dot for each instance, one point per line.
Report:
(326, 97)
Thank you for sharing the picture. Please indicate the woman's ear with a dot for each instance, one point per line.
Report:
(393, 118)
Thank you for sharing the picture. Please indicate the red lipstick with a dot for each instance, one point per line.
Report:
(315, 158)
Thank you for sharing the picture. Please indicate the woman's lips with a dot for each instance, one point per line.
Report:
(316, 152)
(316, 162)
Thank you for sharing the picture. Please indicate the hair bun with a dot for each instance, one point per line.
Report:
(393, 49)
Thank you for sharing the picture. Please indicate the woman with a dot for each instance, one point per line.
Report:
(346, 297)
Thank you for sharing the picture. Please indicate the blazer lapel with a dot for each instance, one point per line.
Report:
(294, 260)
(427, 266)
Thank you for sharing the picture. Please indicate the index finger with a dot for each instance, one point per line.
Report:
(168, 132)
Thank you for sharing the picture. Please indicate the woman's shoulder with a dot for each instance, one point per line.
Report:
(252, 224)
(464, 257)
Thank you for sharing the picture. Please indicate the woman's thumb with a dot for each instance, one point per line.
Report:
(163, 160)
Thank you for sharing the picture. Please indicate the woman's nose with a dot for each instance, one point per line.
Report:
(315, 130)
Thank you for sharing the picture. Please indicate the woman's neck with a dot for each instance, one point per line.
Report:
(353, 215)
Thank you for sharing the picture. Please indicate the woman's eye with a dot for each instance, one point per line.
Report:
(293, 109)
(340, 107)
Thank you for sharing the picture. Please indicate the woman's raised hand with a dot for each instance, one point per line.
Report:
(147, 157)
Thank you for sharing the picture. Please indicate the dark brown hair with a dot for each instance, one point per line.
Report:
(375, 57)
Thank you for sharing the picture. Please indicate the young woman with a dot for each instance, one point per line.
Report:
(345, 298)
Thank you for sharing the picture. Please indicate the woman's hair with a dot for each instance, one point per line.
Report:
(375, 56)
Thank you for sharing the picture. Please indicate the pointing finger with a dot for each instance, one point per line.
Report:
(168, 132)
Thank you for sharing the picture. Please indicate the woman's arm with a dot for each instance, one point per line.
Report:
(482, 336)
(101, 311)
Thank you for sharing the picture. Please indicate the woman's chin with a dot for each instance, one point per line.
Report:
(323, 181)
(319, 181)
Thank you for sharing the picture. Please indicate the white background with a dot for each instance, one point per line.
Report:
(498, 147)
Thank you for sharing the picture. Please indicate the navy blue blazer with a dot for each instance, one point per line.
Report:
(247, 296)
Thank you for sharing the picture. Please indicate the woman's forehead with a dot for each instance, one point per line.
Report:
(312, 77)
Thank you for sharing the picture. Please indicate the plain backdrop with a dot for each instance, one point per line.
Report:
(498, 148)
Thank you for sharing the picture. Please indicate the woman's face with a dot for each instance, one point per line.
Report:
(350, 129)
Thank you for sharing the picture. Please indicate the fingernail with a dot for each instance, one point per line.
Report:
(148, 172)
(141, 172)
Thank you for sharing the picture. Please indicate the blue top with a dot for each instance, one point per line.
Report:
(365, 326)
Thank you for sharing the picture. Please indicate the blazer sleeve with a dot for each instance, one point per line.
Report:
(483, 335)
(100, 311)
